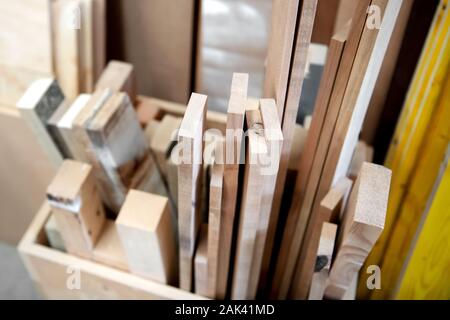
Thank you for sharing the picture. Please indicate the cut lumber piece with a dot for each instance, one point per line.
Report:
(279, 51)
(190, 142)
(66, 130)
(76, 207)
(52, 126)
(362, 225)
(36, 106)
(109, 250)
(163, 140)
(201, 263)
(253, 188)
(380, 92)
(53, 235)
(172, 176)
(86, 37)
(146, 231)
(233, 144)
(363, 153)
(323, 261)
(67, 46)
(288, 116)
(330, 209)
(274, 140)
(214, 218)
(118, 76)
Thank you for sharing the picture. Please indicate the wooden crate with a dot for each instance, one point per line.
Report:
(50, 270)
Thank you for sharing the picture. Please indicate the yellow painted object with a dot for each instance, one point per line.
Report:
(427, 274)
(424, 105)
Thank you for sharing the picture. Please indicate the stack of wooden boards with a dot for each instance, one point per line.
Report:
(228, 189)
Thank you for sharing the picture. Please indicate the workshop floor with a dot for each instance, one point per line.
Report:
(15, 282)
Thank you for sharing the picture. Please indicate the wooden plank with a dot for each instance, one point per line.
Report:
(325, 20)
(250, 212)
(380, 92)
(233, 142)
(362, 153)
(52, 127)
(147, 235)
(77, 207)
(323, 261)
(118, 76)
(428, 250)
(363, 224)
(190, 141)
(201, 263)
(274, 140)
(162, 141)
(99, 37)
(48, 268)
(214, 218)
(67, 46)
(36, 106)
(87, 51)
(279, 51)
(330, 209)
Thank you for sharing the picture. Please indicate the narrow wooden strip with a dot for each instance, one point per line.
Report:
(201, 263)
(190, 141)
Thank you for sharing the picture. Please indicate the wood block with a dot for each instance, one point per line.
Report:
(323, 261)
(253, 190)
(36, 106)
(76, 207)
(330, 209)
(214, 219)
(363, 224)
(147, 235)
(190, 142)
(109, 250)
(163, 139)
(118, 76)
(233, 143)
(201, 263)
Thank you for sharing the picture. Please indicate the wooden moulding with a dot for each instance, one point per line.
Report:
(48, 269)
(146, 231)
(76, 207)
(234, 126)
(190, 141)
(37, 105)
(362, 225)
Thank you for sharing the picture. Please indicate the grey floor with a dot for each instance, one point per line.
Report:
(15, 282)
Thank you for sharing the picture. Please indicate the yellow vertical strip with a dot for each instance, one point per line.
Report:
(427, 274)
